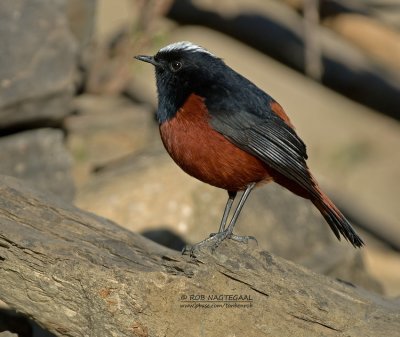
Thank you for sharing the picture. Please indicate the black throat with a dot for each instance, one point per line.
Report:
(172, 94)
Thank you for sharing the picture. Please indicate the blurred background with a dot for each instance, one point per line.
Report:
(77, 118)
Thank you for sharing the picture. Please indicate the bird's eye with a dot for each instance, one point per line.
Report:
(175, 65)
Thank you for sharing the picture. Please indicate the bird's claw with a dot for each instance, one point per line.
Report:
(211, 242)
(214, 240)
(243, 239)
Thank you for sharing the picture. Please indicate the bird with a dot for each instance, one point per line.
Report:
(225, 131)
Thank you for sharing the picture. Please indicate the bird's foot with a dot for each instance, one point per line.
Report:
(243, 239)
(238, 238)
(214, 240)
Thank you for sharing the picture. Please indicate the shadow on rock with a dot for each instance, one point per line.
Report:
(166, 238)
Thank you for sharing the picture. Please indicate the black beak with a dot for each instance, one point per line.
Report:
(148, 59)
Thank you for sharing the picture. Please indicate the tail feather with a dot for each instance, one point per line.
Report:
(336, 220)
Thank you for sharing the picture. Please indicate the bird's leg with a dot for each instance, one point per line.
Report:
(228, 206)
(215, 239)
(229, 229)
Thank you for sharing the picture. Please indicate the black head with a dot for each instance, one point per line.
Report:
(181, 69)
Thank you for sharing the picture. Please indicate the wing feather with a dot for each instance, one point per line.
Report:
(271, 140)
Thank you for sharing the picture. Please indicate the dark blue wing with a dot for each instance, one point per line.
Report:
(270, 139)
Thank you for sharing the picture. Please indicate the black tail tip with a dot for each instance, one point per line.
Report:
(353, 238)
(357, 242)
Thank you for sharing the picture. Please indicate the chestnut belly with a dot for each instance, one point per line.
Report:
(208, 156)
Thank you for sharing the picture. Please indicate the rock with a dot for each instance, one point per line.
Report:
(150, 193)
(383, 264)
(106, 129)
(8, 334)
(82, 20)
(40, 157)
(166, 238)
(37, 62)
(147, 192)
(14, 324)
(345, 264)
(87, 276)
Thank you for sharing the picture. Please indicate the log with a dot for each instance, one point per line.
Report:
(77, 274)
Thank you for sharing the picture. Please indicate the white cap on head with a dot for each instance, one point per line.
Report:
(184, 46)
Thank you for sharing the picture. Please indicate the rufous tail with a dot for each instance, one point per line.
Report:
(336, 220)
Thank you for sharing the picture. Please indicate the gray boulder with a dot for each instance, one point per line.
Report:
(37, 62)
(40, 157)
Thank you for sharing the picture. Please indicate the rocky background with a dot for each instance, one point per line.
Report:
(77, 119)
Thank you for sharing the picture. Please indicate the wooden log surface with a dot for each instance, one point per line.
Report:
(78, 274)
